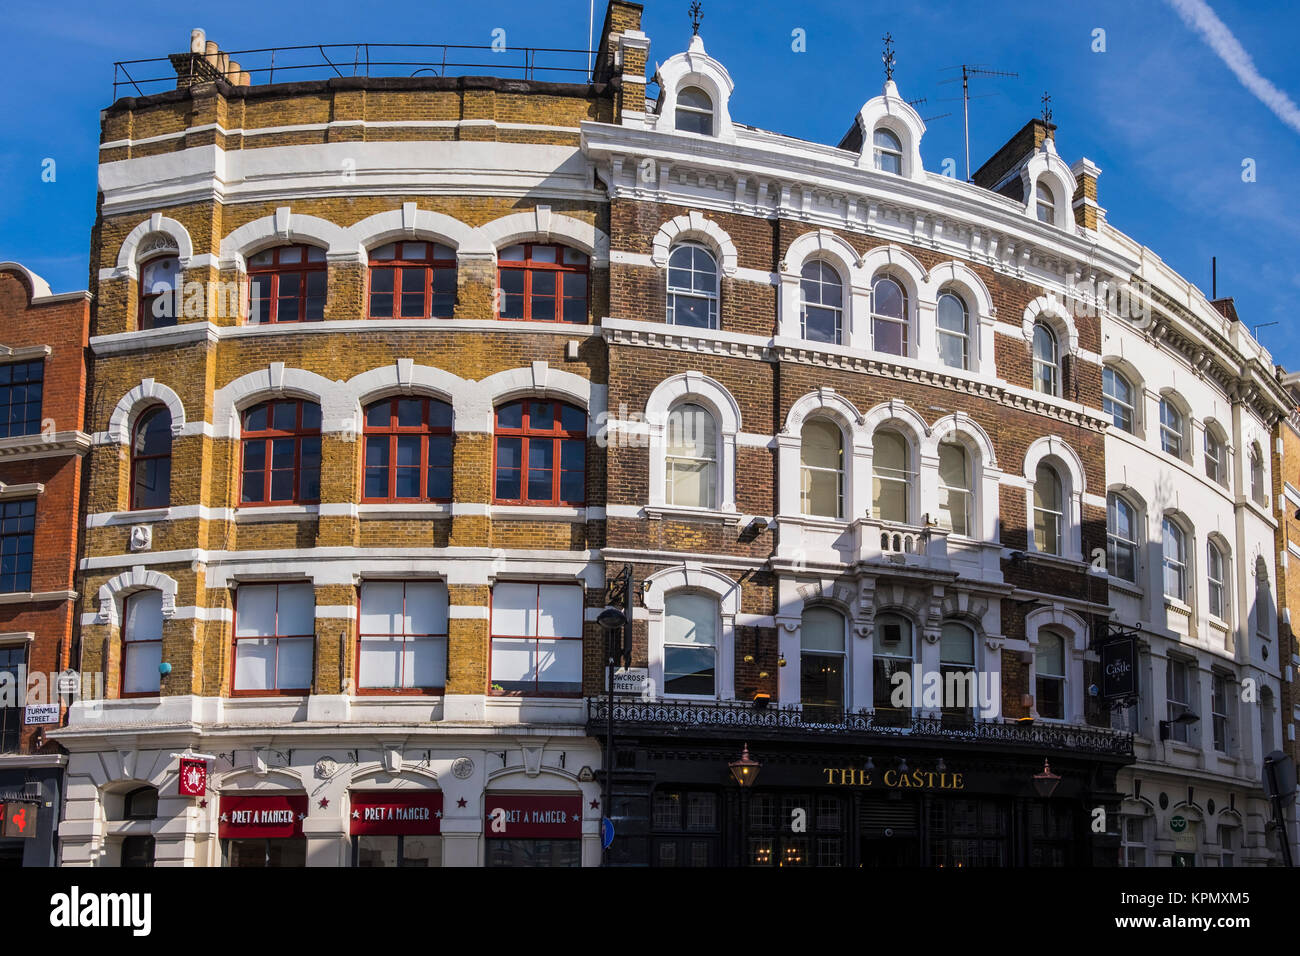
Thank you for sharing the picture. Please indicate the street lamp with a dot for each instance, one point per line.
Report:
(611, 621)
(745, 770)
(1046, 782)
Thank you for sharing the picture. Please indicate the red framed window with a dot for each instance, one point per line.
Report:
(275, 638)
(541, 454)
(151, 460)
(141, 644)
(402, 637)
(160, 292)
(536, 639)
(286, 284)
(412, 280)
(281, 453)
(408, 450)
(542, 283)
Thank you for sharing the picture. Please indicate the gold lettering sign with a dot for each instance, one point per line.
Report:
(894, 779)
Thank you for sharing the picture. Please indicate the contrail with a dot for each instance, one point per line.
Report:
(1198, 15)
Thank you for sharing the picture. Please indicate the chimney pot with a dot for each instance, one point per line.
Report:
(197, 40)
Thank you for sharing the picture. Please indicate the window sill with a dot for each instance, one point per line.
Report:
(729, 519)
(1187, 750)
(1124, 586)
(372, 511)
(1177, 606)
(1061, 561)
(36, 597)
(251, 514)
(538, 512)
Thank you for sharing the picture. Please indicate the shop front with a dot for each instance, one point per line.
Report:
(915, 796)
(30, 798)
(396, 828)
(263, 830)
(524, 830)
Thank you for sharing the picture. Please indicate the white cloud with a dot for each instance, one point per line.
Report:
(1198, 15)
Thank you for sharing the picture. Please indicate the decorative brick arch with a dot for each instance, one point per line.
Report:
(1050, 309)
(113, 591)
(280, 228)
(404, 377)
(338, 410)
(411, 222)
(549, 226)
(694, 386)
(693, 225)
(128, 256)
(148, 392)
(539, 380)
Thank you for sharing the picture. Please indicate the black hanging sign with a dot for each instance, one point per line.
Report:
(1119, 669)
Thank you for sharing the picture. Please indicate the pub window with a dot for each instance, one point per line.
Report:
(543, 283)
(137, 852)
(536, 639)
(1134, 838)
(1051, 834)
(275, 638)
(1178, 697)
(955, 512)
(821, 469)
(822, 295)
(957, 670)
(281, 453)
(21, 388)
(541, 453)
(160, 292)
(772, 842)
(969, 833)
(408, 450)
(142, 633)
(691, 458)
(690, 644)
(286, 284)
(412, 280)
(1049, 675)
(821, 663)
(151, 459)
(892, 654)
(17, 534)
(13, 664)
(686, 825)
(403, 637)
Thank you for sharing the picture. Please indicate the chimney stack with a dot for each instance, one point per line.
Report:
(205, 63)
(1086, 211)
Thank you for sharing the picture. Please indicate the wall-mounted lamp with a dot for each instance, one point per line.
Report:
(1046, 782)
(745, 770)
(164, 668)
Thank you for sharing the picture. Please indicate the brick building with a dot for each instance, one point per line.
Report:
(42, 443)
(1286, 497)
(394, 374)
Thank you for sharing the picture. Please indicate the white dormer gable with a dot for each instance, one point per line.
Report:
(1044, 165)
(891, 112)
(695, 68)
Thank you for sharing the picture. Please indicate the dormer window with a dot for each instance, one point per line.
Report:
(1046, 203)
(889, 152)
(694, 111)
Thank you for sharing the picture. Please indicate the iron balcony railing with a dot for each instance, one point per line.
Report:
(286, 64)
(662, 717)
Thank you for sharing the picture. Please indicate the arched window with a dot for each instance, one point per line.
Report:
(892, 477)
(692, 287)
(142, 627)
(821, 456)
(694, 111)
(955, 511)
(1047, 361)
(691, 458)
(1046, 202)
(1049, 675)
(287, 284)
(957, 669)
(1171, 428)
(1049, 511)
(408, 450)
(691, 628)
(151, 459)
(888, 316)
(1117, 398)
(1216, 456)
(823, 303)
(1257, 491)
(541, 453)
(952, 324)
(542, 283)
(1122, 537)
(889, 151)
(891, 654)
(281, 453)
(821, 662)
(412, 280)
(140, 804)
(1216, 570)
(1175, 560)
(160, 292)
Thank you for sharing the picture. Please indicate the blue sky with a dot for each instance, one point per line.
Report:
(1163, 116)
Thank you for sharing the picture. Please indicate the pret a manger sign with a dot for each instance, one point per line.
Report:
(557, 817)
(379, 813)
(275, 816)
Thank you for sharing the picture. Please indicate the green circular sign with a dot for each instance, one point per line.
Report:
(1178, 823)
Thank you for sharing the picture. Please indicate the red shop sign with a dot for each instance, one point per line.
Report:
(280, 815)
(396, 813)
(558, 817)
(194, 777)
